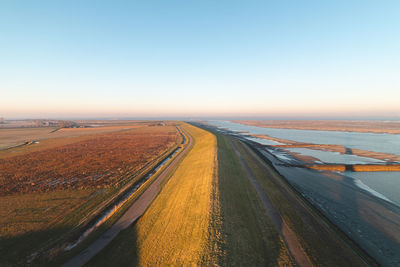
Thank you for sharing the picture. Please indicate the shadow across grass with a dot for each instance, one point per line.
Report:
(32, 248)
(124, 250)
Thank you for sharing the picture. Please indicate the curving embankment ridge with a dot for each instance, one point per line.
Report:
(174, 229)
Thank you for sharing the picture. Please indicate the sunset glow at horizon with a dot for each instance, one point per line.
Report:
(127, 59)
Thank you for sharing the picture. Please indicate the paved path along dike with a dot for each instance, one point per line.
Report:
(131, 215)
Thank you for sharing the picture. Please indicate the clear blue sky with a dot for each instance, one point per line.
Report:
(199, 58)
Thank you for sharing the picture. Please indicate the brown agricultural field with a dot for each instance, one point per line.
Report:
(98, 161)
(46, 193)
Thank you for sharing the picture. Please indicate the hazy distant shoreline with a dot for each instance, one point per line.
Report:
(389, 127)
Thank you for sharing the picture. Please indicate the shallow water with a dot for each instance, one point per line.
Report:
(264, 141)
(385, 143)
(361, 212)
(333, 157)
(365, 205)
(386, 183)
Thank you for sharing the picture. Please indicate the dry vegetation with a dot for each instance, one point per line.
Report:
(356, 167)
(330, 125)
(46, 194)
(33, 221)
(99, 161)
(174, 230)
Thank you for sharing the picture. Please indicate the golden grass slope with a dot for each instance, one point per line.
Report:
(174, 230)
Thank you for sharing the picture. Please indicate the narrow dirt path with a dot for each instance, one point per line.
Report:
(130, 216)
(288, 236)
